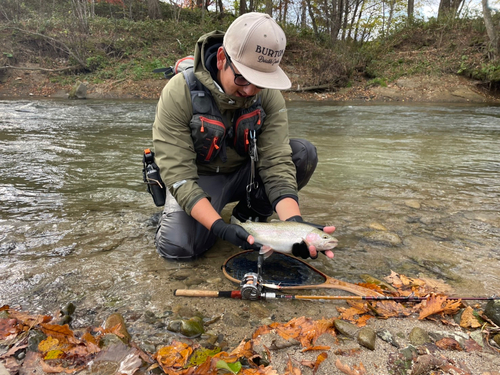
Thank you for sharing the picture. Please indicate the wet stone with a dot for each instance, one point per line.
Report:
(418, 336)
(367, 338)
(413, 204)
(110, 339)
(114, 320)
(492, 311)
(384, 238)
(194, 281)
(346, 328)
(190, 328)
(182, 274)
(387, 336)
(35, 337)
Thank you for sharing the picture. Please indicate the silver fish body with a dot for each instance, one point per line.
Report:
(281, 235)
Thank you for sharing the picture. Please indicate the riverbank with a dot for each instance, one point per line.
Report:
(432, 89)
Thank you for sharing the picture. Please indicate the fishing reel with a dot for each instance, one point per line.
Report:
(251, 286)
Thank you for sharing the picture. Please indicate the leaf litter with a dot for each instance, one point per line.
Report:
(66, 351)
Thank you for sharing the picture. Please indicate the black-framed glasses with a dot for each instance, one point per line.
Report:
(239, 80)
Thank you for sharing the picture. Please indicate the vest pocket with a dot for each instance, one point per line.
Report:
(247, 122)
(207, 134)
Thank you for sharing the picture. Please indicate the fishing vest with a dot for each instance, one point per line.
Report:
(210, 133)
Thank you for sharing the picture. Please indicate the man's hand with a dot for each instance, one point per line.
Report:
(235, 234)
(301, 249)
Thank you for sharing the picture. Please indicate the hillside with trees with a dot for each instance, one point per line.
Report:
(331, 44)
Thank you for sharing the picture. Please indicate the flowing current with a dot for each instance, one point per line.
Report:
(413, 189)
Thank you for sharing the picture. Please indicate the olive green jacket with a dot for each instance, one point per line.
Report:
(173, 146)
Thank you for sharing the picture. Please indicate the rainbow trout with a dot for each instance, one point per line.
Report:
(281, 235)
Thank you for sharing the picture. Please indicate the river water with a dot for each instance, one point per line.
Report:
(410, 188)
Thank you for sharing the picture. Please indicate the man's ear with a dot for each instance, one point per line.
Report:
(221, 58)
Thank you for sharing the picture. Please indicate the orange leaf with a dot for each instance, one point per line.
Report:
(173, 356)
(468, 320)
(244, 349)
(388, 309)
(356, 370)
(437, 304)
(319, 360)
(361, 322)
(372, 286)
(59, 332)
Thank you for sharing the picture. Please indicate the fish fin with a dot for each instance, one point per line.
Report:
(234, 220)
(266, 251)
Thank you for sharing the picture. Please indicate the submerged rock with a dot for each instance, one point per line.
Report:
(116, 320)
(190, 328)
(384, 238)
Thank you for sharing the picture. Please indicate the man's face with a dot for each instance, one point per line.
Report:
(226, 78)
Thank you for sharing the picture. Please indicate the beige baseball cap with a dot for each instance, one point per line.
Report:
(256, 43)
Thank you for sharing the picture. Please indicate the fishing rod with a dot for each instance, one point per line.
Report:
(237, 294)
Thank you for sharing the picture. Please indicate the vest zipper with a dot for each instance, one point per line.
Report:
(213, 147)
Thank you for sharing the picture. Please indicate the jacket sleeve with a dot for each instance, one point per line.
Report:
(275, 164)
(174, 150)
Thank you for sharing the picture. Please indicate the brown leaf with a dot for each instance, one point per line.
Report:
(472, 346)
(9, 328)
(388, 309)
(447, 343)
(173, 356)
(356, 370)
(438, 304)
(59, 332)
(304, 330)
(244, 349)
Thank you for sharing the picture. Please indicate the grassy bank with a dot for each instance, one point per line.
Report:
(117, 49)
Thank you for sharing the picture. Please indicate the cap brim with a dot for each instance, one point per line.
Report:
(275, 80)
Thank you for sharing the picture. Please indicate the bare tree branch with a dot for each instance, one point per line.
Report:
(57, 44)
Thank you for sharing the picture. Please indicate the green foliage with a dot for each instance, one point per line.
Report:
(231, 367)
(377, 82)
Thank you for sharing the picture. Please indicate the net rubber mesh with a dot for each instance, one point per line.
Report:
(278, 269)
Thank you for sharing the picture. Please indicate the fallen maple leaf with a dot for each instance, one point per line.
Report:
(388, 309)
(173, 356)
(438, 304)
(60, 332)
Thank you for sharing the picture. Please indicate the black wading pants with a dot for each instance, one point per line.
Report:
(180, 237)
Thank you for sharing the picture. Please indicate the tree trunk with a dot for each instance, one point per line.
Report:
(243, 7)
(490, 29)
(411, 8)
(313, 19)
(448, 9)
(269, 7)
